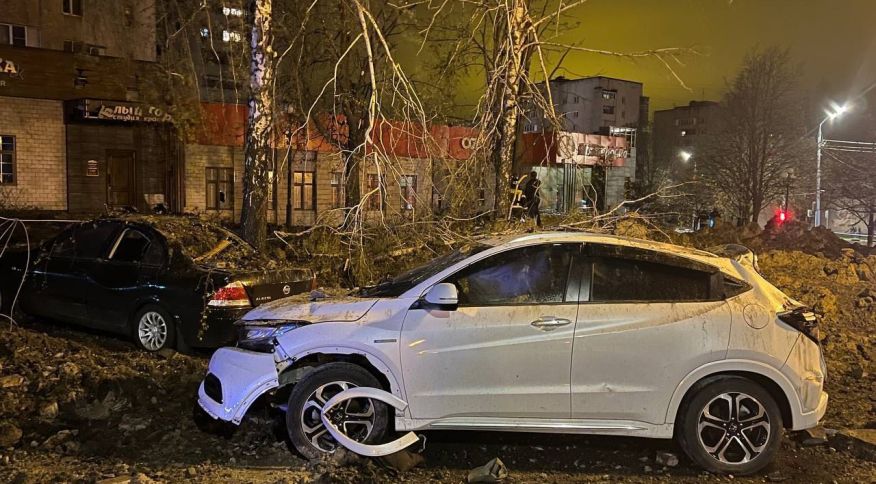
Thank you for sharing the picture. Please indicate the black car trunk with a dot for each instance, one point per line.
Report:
(266, 286)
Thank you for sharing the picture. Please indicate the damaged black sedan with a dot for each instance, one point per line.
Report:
(167, 282)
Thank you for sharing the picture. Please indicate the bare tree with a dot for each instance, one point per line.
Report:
(850, 177)
(257, 148)
(759, 134)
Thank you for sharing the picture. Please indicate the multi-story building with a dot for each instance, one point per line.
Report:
(681, 129)
(598, 106)
(74, 138)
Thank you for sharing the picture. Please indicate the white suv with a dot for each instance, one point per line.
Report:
(560, 332)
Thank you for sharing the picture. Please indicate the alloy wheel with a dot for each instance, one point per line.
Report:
(734, 428)
(152, 330)
(354, 417)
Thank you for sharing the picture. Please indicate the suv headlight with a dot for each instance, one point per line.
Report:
(262, 338)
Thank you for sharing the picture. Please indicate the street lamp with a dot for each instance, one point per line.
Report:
(831, 115)
(686, 156)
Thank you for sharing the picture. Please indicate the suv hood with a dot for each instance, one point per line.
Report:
(343, 309)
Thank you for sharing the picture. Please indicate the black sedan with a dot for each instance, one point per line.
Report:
(167, 282)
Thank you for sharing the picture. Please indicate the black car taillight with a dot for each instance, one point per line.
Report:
(213, 387)
(803, 320)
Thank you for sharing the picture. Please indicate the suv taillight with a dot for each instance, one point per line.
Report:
(231, 296)
(803, 320)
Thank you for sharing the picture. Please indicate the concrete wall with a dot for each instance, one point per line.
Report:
(38, 127)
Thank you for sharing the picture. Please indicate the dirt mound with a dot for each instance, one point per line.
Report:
(842, 291)
(795, 235)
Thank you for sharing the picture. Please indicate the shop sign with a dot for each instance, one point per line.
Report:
(8, 67)
(122, 111)
(587, 149)
(91, 168)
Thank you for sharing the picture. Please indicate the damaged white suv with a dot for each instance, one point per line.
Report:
(562, 332)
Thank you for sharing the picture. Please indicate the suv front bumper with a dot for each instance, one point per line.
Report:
(235, 379)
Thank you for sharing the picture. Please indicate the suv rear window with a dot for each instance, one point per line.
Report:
(617, 279)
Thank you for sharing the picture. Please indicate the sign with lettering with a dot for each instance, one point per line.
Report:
(8, 67)
(121, 111)
(592, 149)
(91, 168)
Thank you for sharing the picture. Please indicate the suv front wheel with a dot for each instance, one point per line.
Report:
(362, 419)
(731, 426)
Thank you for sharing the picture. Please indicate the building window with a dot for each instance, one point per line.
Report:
(304, 190)
(220, 188)
(608, 95)
(72, 7)
(7, 160)
(576, 99)
(73, 46)
(13, 35)
(337, 190)
(376, 185)
(232, 12)
(606, 109)
(205, 32)
(231, 36)
(408, 186)
(574, 114)
(482, 197)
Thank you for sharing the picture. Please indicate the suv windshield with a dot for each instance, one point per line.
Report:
(406, 280)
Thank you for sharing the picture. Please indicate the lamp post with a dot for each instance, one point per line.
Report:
(831, 115)
(686, 156)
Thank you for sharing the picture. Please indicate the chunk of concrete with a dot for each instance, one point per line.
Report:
(814, 436)
(860, 442)
(492, 471)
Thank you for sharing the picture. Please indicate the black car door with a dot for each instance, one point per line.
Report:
(122, 280)
(60, 283)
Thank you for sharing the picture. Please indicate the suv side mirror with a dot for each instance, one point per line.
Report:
(442, 294)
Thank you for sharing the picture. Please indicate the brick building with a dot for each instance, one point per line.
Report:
(401, 184)
(73, 136)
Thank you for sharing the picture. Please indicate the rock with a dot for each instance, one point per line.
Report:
(403, 460)
(11, 381)
(58, 439)
(814, 436)
(70, 370)
(492, 471)
(9, 434)
(777, 477)
(667, 459)
(191, 472)
(648, 469)
(49, 410)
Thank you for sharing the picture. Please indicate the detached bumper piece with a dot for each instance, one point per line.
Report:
(379, 450)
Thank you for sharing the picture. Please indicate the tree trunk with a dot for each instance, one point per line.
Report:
(257, 150)
(871, 228)
(508, 105)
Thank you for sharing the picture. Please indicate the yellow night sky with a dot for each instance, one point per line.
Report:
(835, 40)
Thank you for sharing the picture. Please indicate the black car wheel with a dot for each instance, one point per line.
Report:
(732, 426)
(154, 329)
(362, 419)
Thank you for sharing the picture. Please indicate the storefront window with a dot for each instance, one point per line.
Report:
(337, 190)
(376, 189)
(7, 159)
(408, 185)
(305, 190)
(220, 188)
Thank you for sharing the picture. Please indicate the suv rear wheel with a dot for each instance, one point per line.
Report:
(362, 419)
(732, 426)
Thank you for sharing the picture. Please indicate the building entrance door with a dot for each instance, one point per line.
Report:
(119, 178)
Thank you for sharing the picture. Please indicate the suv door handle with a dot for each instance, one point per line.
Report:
(549, 323)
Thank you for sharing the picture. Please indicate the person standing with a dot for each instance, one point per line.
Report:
(533, 198)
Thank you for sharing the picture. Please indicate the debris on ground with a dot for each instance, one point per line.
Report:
(667, 459)
(492, 471)
(861, 442)
(814, 436)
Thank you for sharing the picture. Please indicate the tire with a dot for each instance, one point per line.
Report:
(153, 329)
(738, 443)
(306, 431)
